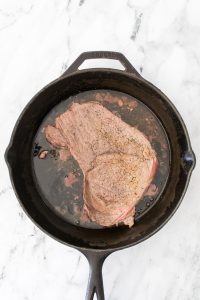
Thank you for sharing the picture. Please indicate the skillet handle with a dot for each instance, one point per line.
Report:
(101, 54)
(95, 281)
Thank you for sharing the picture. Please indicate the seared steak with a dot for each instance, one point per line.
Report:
(114, 186)
(117, 160)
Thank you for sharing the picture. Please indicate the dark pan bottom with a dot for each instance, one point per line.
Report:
(50, 172)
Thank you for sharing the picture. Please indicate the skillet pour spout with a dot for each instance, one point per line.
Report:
(189, 160)
(97, 243)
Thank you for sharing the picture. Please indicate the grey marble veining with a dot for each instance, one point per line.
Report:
(38, 41)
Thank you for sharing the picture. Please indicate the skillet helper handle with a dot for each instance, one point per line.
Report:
(98, 55)
(95, 281)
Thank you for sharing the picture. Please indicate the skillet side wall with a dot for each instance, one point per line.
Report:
(20, 161)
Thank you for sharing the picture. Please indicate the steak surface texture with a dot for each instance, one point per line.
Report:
(117, 160)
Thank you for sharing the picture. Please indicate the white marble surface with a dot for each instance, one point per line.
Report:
(38, 40)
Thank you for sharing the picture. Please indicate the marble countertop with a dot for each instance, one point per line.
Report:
(38, 41)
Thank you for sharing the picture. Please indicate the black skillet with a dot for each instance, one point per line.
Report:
(97, 243)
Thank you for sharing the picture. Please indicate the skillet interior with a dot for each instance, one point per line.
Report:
(19, 157)
(51, 172)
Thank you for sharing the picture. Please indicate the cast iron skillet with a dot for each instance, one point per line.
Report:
(97, 244)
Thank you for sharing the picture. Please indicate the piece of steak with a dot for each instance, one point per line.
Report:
(114, 186)
(117, 160)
